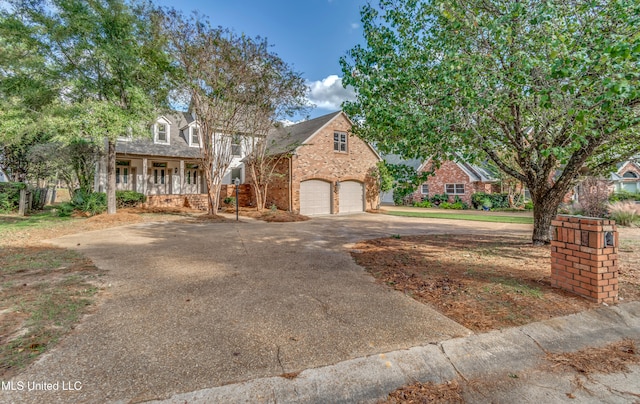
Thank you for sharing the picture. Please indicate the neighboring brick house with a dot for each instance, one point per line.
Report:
(627, 177)
(455, 178)
(324, 169)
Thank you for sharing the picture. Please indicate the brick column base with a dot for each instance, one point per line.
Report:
(584, 257)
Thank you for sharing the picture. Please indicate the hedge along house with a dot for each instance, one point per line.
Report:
(166, 167)
(324, 169)
(453, 178)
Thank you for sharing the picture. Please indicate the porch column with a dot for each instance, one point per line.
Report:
(145, 180)
(181, 177)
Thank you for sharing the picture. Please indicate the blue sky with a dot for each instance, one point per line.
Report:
(310, 35)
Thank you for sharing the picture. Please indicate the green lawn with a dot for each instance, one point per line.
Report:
(465, 216)
(12, 222)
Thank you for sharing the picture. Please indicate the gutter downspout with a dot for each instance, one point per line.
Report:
(291, 183)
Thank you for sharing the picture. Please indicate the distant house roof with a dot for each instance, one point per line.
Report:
(396, 159)
(475, 172)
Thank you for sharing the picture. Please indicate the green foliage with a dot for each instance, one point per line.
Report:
(528, 85)
(104, 63)
(229, 200)
(486, 203)
(528, 205)
(89, 202)
(10, 196)
(423, 204)
(385, 176)
(65, 209)
(439, 199)
(406, 181)
(496, 200)
(455, 205)
(624, 196)
(129, 199)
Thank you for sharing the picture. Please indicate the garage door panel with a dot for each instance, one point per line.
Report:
(315, 197)
(351, 196)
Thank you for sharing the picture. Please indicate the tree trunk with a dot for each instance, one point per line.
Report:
(111, 177)
(544, 211)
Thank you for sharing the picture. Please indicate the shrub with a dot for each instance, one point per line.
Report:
(624, 196)
(624, 213)
(528, 205)
(89, 202)
(229, 200)
(438, 199)
(498, 201)
(65, 209)
(486, 203)
(129, 199)
(10, 196)
(423, 204)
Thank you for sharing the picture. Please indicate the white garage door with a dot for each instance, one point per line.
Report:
(315, 197)
(351, 196)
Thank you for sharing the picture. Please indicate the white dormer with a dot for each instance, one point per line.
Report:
(162, 131)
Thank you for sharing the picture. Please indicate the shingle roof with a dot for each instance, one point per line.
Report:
(286, 138)
(178, 147)
(397, 160)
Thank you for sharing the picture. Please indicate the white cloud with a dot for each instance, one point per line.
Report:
(355, 25)
(328, 93)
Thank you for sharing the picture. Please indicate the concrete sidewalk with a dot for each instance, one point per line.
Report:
(505, 367)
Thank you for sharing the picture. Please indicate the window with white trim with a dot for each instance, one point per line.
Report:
(194, 139)
(340, 142)
(236, 146)
(162, 133)
(122, 172)
(236, 173)
(454, 189)
(425, 189)
(630, 174)
(159, 173)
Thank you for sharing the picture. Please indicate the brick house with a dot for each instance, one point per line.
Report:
(627, 177)
(454, 178)
(324, 169)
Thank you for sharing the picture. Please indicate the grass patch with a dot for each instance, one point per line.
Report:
(13, 222)
(45, 291)
(472, 217)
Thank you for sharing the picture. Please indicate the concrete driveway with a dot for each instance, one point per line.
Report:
(196, 305)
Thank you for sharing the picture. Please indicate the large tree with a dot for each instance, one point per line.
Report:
(236, 87)
(111, 64)
(544, 89)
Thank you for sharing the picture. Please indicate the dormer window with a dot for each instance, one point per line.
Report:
(630, 174)
(194, 139)
(162, 133)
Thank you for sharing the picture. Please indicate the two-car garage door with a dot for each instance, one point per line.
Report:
(315, 197)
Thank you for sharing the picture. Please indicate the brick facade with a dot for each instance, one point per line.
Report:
(200, 201)
(450, 173)
(581, 260)
(316, 159)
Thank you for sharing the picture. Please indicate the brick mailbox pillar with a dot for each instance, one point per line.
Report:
(584, 257)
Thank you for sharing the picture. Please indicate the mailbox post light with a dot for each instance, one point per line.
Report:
(237, 183)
